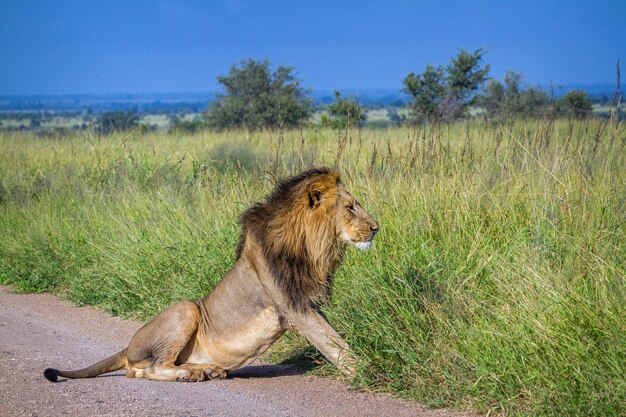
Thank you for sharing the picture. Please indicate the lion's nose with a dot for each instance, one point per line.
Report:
(374, 229)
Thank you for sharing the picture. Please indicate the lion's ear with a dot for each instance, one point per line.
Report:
(315, 196)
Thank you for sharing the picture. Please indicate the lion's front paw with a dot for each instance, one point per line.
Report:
(348, 366)
(194, 375)
(215, 372)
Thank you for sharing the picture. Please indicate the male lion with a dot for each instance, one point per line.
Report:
(290, 246)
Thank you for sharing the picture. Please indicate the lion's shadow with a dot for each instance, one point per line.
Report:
(265, 371)
(300, 362)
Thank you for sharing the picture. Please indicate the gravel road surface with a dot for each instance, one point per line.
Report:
(39, 331)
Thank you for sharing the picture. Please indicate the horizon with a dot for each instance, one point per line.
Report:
(598, 89)
(601, 88)
(108, 48)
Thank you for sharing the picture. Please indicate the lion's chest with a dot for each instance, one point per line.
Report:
(246, 338)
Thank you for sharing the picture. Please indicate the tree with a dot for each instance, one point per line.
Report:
(116, 121)
(35, 120)
(534, 103)
(185, 126)
(493, 98)
(343, 110)
(511, 99)
(576, 104)
(427, 90)
(258, 98)
(394, 117)
(445, 93)
(464, 77)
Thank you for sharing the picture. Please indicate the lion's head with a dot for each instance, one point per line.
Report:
(303, 228)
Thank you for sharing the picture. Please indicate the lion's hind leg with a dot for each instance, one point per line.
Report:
(154, 350)
(170, 372)
(135, 372)
(183, 373)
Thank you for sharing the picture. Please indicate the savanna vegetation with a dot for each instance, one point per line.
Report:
(497, 282)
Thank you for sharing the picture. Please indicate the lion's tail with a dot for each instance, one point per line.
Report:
(110, 364)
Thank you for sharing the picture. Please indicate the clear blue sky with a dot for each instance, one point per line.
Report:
(111, 46)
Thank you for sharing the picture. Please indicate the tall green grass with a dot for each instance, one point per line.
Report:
(497, 282)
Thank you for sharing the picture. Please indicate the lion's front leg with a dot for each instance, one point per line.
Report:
(316, 329)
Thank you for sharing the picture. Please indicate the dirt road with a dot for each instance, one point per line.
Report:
(40, 330)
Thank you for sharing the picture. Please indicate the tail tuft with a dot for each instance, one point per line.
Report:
(51, 374)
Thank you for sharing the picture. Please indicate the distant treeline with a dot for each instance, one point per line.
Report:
(366, 99)
(194, 103)
(256, 97)
(152, 107)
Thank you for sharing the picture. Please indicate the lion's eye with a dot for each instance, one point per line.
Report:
(352, 208)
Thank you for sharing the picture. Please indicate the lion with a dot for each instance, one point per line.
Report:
(289, 248)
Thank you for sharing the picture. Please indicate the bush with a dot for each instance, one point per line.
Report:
(576, 104)
(116, 121)
(343, 112)
(186, 126)
(258, 98)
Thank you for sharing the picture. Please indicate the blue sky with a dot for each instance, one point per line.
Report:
(111, 46)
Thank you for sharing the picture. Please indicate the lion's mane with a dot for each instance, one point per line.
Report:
(295, 227)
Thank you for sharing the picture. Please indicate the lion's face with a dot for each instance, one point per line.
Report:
(302, 229)
(354, 224)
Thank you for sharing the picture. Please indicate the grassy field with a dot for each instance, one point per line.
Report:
(497, 282)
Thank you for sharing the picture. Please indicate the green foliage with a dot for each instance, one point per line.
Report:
(343, 112)
(576, 104)
(186, 126)
(493, 98)
(427, 90)
(116, 121)
(496, 283)
(258, 98)
(35, 120)
(464, 75)
(513, 100)
(444, 94)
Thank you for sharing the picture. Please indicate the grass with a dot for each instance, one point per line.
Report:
(497, 282)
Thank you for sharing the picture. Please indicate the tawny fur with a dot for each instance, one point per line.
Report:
(290, 246)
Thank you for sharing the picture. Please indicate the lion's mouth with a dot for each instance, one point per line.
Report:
(364, 246)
